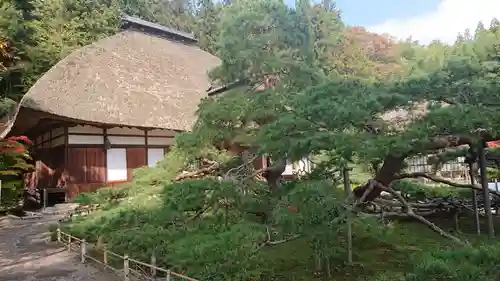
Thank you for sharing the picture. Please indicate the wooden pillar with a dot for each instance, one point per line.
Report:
(484, 181)
(474, 201)
(66, 161)
(66, 146)
(104, 137)
(146, 145)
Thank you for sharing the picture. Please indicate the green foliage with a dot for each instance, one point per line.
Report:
(12, 193)
(192, 223)
(6, 104)
(314, 210)
(467, 264)
(14, 156)
(84, 199)
(11, 26)
(60, 26)
(207, 26)
(268, 46)
(14, 162)
(422, 191)
(176, 14)
(171, 214)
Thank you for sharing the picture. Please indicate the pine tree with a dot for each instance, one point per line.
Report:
(495, 25)
(61, 26)
(207, 24)
(11, 54)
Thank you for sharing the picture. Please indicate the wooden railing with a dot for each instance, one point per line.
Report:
(122, 265)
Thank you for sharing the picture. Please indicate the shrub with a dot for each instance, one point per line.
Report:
(419, 190)
(84, 199)
(466, 264)
(14, 162)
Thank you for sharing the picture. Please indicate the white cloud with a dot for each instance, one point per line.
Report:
(449, 19)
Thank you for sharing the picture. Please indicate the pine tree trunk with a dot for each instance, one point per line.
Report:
(385, 175)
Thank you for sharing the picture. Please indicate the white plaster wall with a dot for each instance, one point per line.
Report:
(160, 141)
(119, 140)
(85, 139)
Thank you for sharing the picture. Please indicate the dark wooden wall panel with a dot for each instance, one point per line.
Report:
(86, 165)
(77, 159)
(44, 155)
(96, 165)
(44, 175)
(136, 158)
(57, 155)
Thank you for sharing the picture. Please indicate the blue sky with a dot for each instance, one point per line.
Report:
(373, 12)
(423, 20)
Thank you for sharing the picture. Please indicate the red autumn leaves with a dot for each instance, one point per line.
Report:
(15, 144)
(493, 144)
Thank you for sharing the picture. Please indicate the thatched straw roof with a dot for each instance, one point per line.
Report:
(144, 76)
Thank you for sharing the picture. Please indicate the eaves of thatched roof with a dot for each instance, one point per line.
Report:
(146, 76)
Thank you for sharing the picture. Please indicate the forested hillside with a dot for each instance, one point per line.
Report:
(300, 84)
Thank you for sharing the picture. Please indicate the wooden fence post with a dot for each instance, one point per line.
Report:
(45, 198)
(168, 275)
(496, 188)
(153, 263)
(69, 243)
(58, 233)
(126, 269)
(474, 201)
(104, 256)
(83, 250)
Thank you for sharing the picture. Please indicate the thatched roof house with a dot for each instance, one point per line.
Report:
(146, 76)
(124, 97)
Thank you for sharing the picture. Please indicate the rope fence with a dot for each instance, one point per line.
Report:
(122, 265)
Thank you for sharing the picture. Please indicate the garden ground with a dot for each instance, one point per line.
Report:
(26, 254)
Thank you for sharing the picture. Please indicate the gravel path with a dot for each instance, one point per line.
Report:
(26, 254)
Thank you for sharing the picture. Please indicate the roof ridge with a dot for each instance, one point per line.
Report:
(128, 21)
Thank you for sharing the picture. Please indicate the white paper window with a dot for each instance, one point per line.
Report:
(117, 164)
(154, 155)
